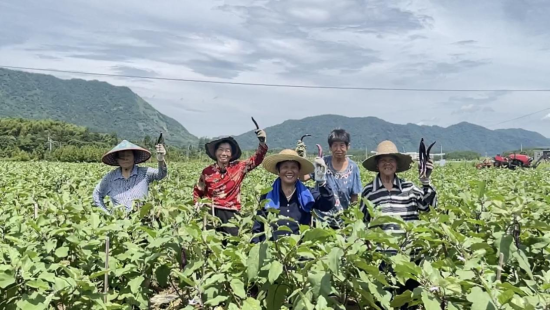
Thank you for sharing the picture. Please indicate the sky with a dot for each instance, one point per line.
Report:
(443, 44)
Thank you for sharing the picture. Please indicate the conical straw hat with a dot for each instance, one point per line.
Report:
(388, 148)
(140, 154)
(270, 162)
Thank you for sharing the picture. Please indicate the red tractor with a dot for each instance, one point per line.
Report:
(520, 160)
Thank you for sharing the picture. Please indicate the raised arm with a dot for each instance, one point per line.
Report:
(158, 173)
(256, 159)
(99, 194)
(324, 197)
(426, 197)
(161, 172)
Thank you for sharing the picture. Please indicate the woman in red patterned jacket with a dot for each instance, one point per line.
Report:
(220, 182)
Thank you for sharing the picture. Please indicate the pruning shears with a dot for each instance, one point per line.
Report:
(423, 157)
(319, 151)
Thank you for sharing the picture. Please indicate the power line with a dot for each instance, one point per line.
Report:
(519, 117)
(278, 85)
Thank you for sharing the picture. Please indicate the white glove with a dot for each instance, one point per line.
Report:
(429, 168)
(160, 152)
(320, 170)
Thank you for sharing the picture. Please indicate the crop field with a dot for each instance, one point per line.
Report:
(486, 246)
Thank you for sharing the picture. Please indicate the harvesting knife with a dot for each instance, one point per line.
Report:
(160, 139)
(319, 151)
(302, 138)
(255, 123)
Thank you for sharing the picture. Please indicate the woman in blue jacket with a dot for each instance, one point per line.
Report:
(290, 196)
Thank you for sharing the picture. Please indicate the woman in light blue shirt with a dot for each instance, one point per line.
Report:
(128, 182)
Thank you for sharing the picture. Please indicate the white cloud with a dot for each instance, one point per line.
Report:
(493, 44)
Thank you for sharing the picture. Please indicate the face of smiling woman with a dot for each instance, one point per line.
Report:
(387, 165)
(289, 172)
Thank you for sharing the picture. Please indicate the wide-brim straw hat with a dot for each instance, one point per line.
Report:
(270, 162)
(388, 148)
(211, 148)
(140, 154)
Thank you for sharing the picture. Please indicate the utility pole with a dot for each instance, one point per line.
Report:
(50, 142)
(188, 147)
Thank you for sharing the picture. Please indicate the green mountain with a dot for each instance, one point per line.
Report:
(367, 132)
(99, 106)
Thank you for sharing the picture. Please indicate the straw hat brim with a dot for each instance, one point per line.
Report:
(403, 162)
(270, 163)
(235, 148)
(140, 155)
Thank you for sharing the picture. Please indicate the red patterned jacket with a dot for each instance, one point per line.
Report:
(225, 189)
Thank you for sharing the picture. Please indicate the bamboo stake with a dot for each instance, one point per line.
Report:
(106, 284)
(35, 210)
(500, 264)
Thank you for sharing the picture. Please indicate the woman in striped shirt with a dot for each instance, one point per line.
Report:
(128, 182)
(393, 196)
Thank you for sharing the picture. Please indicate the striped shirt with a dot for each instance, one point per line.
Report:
(124, 191)
(405, 200)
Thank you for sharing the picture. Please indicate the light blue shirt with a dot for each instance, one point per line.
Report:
(124, 191)
(344, 184)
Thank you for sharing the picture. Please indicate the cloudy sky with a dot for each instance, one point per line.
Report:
(445, 44)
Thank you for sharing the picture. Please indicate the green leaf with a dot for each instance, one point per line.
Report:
(318, 234)
(523, 262)
(62, 252)
(276, 295)
(255, 261)
(430, 302)
(135, 284)
(274, 271)
(320, 283)
(39, 284)
(334, 258)
(238, 288)
(145, 209)
(162, 274)
(505, 247)
(216, 300)
(98, 274)
(480, 300)
(401, 300)
(232, 306)
(6, 279)
(50, 245)
(32, 302)
(251, 304)
(505, 297)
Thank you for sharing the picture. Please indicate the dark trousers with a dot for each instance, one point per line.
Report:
(225, 215)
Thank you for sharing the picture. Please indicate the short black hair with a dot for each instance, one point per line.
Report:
(278, 166)
(339, 135)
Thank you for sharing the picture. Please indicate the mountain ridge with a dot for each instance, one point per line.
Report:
(367, 132)
(97, 105)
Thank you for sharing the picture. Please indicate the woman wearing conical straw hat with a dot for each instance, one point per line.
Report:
(290, 196)
(393, 196)
(128, 182)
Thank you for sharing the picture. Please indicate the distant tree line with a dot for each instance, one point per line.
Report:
(26, 140)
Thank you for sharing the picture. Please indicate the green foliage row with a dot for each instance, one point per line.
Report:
(55, 258)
